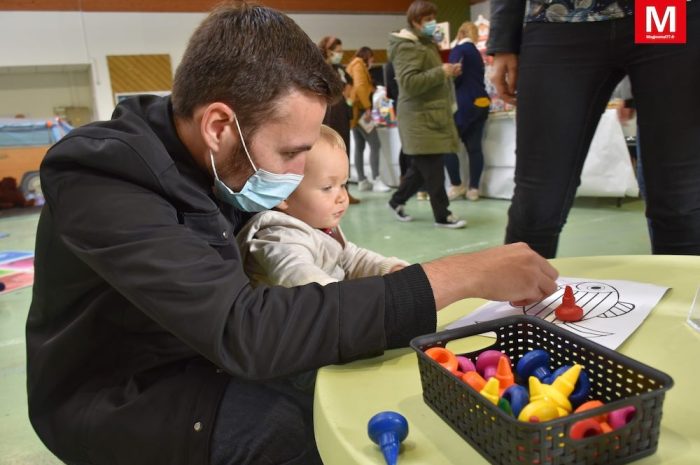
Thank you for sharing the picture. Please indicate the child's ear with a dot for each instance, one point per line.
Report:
(283, 206)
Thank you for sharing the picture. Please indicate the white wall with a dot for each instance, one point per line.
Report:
(36, 94)
(53, 38)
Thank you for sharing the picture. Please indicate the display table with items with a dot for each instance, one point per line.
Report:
(607, 171)
(637, 373)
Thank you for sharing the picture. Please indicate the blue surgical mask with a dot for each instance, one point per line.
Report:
(262, 191)
(336, 57)
(428, 28)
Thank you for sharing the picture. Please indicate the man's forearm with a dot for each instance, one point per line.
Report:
(512, 272)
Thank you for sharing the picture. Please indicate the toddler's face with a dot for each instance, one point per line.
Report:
(322, 197)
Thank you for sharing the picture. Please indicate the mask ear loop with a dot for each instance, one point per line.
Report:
(235, 118)
(213, 165)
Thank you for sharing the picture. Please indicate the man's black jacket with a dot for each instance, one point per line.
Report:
(141, 311)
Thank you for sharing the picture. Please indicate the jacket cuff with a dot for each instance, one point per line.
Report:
(409, 306)
(506, 28)
(389, 263)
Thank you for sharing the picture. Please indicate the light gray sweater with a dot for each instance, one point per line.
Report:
(278, 249)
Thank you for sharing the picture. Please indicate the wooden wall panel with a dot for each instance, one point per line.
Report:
(380, 55)
(307, 6)
(140, 73)
(453, 11)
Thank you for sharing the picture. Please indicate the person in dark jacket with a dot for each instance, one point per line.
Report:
(146, 343)
(561, 69)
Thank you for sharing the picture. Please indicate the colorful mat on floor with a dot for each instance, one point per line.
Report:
(16, 270)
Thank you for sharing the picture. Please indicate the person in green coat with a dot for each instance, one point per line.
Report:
(426, 106)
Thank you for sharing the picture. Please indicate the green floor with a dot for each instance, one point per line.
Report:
(596, 227)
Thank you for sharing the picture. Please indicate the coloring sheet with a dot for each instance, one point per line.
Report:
(612, 310)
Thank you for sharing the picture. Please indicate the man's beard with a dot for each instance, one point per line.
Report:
(236, 166)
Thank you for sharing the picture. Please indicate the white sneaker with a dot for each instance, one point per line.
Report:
(473, 194)
(379, 186)
(452, 222)
(400, 213)
(364, 185)
(456, 192)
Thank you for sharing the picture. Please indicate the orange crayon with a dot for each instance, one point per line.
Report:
(444, 357)
(601, 419)
(504, 373)
(475, 380)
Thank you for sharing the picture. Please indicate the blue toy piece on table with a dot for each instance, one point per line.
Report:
(388, 430)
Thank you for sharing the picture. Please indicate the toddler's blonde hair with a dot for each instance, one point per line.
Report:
(332, 137)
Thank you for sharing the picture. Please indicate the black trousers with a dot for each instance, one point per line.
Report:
(425, 172)
(264, 424)
(567, 72)
(472, 136)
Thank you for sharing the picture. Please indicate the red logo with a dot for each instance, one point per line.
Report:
(659, 21)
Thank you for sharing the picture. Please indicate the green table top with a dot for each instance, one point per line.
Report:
(347, 396)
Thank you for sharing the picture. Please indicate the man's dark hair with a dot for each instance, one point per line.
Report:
(418, 10)
(249, 57)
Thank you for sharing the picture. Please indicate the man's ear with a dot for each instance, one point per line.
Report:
(216, 126)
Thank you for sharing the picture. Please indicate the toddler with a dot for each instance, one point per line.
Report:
(301, 241)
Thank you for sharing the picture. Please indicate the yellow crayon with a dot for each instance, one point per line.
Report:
(490, 391)
(539, 391)
(539, 411)
(566, 381)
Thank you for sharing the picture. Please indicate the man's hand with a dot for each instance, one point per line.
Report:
(513, 273)
(505, 76)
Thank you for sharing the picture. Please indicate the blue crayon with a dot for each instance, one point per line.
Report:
(388, 430)
(518, 397)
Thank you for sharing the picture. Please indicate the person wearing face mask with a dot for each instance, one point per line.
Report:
(301, 240)
(146, 342)
(426, 105)
(339, 114)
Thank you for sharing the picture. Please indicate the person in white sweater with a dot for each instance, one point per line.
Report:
(300, 241)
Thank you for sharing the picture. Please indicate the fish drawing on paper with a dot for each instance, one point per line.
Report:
(598, 300)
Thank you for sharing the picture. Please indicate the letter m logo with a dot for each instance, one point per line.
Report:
(654, 24)
(659, 21)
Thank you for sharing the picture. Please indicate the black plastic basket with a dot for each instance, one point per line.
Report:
(616, 380)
